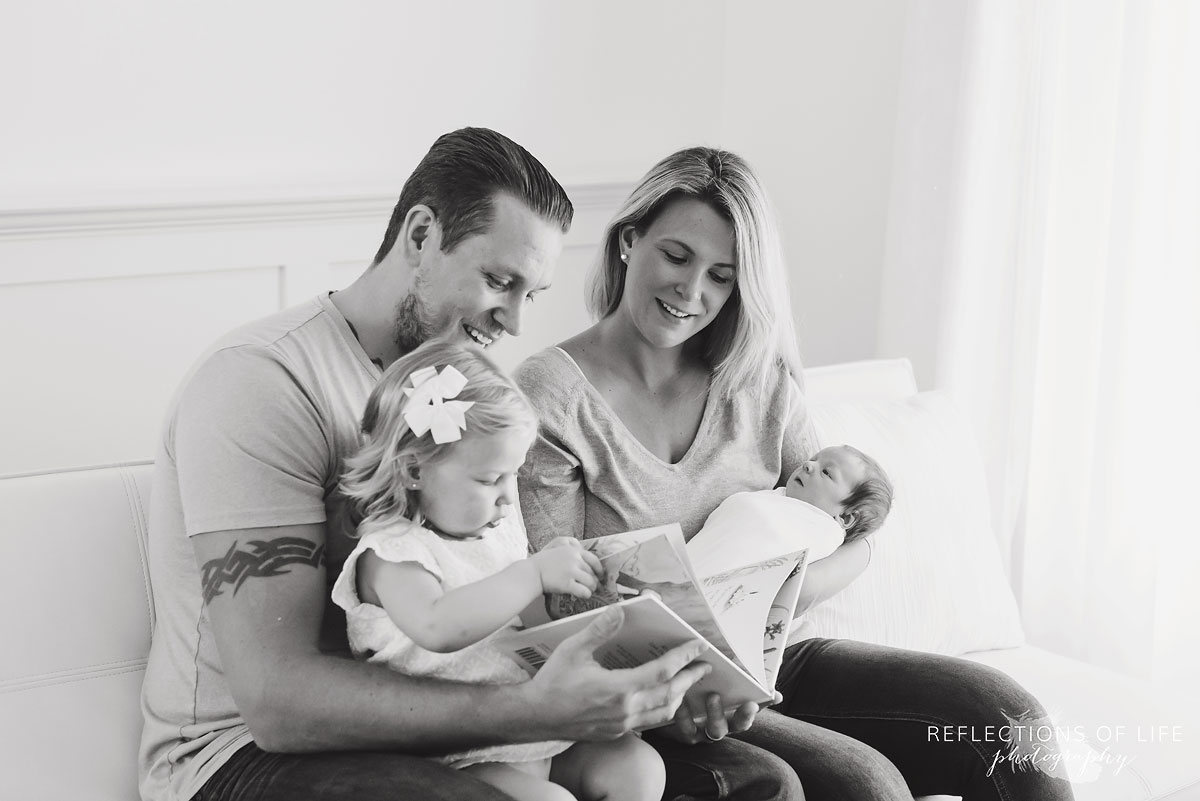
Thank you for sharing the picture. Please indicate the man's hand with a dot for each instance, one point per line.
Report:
(701, 721)
(565, 566)
(577, 699)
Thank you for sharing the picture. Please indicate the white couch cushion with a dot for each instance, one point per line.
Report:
(77, 630)
(1122, 740)
(935, 581)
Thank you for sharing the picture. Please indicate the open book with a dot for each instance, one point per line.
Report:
(738, 599)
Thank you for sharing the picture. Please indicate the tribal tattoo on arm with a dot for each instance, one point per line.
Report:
(259, 558)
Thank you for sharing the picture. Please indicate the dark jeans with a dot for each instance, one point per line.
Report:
(854, 724)
(856, 719)
(254, 775)
(720, 770)
(730, 770)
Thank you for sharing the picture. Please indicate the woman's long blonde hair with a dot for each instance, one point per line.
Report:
(375, 480)
(753, 336)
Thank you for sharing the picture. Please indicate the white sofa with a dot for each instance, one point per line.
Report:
(79, 612)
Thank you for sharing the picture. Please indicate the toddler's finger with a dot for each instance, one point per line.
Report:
(593, 562)
(587, 579)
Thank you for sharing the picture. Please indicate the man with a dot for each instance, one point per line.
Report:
(248, 689)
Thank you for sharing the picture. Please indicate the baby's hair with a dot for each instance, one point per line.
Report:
(870, 501)
(374, 480)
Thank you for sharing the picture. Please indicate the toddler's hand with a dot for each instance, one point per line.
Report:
(561, 542)
(565, 566)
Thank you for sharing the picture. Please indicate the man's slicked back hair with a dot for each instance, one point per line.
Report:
(458, 178)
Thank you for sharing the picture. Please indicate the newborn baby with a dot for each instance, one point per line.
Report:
(846, 484)
(840, 495)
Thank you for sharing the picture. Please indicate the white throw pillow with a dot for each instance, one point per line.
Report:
(935, 581)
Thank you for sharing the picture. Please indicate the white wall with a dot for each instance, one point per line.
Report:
(130, 99)
(199, 122)
(810, 98)
(926, 193)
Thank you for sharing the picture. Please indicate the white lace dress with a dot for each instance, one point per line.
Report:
(375, 638)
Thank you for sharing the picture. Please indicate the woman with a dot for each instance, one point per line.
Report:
(687, 390)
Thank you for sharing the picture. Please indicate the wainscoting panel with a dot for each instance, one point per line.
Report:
(102, 311)
(91, 364)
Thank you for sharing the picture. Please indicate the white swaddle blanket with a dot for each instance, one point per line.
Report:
(752, 526)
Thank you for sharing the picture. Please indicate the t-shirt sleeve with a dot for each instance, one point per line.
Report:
(550, 483)
(799, 437)
(250, 446)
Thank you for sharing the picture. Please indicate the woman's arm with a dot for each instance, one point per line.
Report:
(827, 577)
(551, 492)
(450, 621)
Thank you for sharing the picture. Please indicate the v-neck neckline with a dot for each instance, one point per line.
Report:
(612, 414)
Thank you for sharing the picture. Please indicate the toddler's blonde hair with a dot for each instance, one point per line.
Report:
(374, 480)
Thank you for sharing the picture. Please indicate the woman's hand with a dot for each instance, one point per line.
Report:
(704, 720)
(566, 566)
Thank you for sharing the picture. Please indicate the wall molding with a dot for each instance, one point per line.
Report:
(129, 294)
(20, 224)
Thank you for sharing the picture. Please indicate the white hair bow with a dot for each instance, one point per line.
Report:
(429, 407)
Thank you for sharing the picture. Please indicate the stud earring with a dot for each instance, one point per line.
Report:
(625, 257)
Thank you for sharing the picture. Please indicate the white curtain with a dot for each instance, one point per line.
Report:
(1109, 539)
(1065, 290)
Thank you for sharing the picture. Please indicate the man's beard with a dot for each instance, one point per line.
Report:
(415, 323)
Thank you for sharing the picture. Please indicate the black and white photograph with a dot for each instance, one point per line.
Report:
(333, 333)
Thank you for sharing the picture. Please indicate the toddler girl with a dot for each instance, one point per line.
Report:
(442, 561)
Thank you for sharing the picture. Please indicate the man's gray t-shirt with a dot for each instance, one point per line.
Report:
(254, 438)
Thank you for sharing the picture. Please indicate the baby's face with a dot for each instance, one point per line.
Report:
(827, 479)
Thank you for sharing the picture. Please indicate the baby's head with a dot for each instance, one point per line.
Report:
(444, 433)
(847, 484)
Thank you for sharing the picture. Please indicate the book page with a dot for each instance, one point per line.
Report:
(648, 561)
(730, 609)
(749, 532)
(742, 600)
(614, 543)
(554, 606)
(779, 621)
(650, 630)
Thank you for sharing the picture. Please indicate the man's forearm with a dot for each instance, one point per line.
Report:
(329, 703)
(295, 698)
